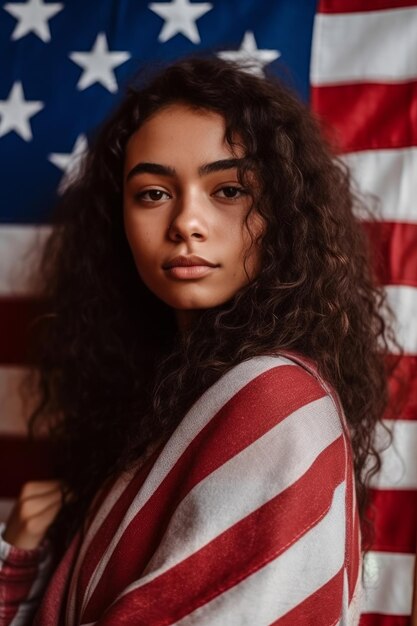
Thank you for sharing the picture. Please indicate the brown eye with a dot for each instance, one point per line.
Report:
(153, 195)
(231, 193)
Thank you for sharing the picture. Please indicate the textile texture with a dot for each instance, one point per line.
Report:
(246, 515)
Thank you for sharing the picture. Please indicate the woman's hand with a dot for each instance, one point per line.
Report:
(35, 510)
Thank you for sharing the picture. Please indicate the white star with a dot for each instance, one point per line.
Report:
(33, 17)
(70, 163)
(16, 111)
(249, 57)
(98, 64)
(180, 17)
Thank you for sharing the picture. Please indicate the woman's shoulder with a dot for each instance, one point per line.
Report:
(268, 405)
(264, 397)
(283, 386)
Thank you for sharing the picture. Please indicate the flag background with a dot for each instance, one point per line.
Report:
(354, 61)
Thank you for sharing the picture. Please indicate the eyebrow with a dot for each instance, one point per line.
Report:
(165, 170)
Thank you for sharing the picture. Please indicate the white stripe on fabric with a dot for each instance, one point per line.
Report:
(368, 46)
(399, 459)
(4, 546)
(270, 465)
(27, 607)
(20, 248)
(200, 414)
(285, 582)
(388, 583)
(13, 410)
(111, 499)
(389, 175)
(351, 610)
(403, 301)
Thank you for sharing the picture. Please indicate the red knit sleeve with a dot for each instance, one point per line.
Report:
(23, 578)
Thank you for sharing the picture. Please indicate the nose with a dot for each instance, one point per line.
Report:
(189, 221)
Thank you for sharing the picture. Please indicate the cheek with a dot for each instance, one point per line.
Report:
(139, 232)
(144, 254)
(140, 244)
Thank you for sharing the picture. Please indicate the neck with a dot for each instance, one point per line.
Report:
(185, 319)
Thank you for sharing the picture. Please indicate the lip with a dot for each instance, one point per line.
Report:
(188, 261)
(189, 267)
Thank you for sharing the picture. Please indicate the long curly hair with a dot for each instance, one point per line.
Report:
(112, 373)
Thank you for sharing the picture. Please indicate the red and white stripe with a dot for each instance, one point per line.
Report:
(247, 513)
(25, 573)
(200, 414)
(364, 88)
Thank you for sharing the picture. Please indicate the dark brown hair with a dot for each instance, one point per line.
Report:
(114, 374)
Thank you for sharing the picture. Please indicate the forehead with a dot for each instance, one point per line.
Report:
(179, 131)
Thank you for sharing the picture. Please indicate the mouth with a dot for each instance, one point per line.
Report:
(189, 267)
(188, 261)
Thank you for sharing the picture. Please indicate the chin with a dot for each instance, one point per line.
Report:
(194, 305)
(179, 299)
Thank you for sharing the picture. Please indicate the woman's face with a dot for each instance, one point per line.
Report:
(184, 210)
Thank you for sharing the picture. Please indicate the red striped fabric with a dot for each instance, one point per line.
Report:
(350, 6)
(287, 526)
(222, 447)
(372, 106)
(396, 512)
(18, 586)
(395, 252)
(363, 116)
(353, 547)
(406, 371)
(376, 619)
(231, 557)
(319, 609)
(22, 577)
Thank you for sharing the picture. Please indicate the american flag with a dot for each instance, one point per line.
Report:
(64, 66)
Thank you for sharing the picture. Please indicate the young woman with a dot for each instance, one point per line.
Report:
(211, 370)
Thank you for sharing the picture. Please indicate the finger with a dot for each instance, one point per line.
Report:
(35, 489)
(50, 510)
(37, 525)
(34, 506)
(40, 485)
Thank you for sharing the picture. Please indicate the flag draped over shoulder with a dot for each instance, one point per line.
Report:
(64, 66)
(184, 540)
